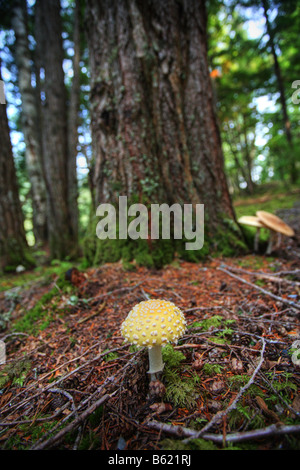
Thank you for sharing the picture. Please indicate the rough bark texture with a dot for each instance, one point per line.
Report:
(154, 130)
(54, 128)
(33, 153)
(73, 122)
(13, 243)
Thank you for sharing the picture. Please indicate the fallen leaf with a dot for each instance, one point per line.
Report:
(160, 407)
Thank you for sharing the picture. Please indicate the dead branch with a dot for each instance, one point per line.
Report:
(179, 431)
(121, 289)
(266, 276)
(92, 315)
(81, 416)
(276, 297)
(12, 407)
(73, 425)
(234, 403)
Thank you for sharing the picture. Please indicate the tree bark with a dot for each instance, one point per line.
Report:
(13, 244)
(154, 130)
(73, 122)
(62, 238)
(33, 153)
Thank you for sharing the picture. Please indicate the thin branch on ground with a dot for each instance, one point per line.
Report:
(234, 403)
(115, 291)
(269, 277)
(264, 291)
(189, 434)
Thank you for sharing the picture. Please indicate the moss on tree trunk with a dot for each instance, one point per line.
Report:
(154, 130)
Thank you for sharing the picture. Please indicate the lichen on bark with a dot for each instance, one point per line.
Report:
(154, 129)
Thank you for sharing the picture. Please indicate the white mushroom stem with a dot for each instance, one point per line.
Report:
(256, 239)
(270, 244)
(278, 240)
(155, 361)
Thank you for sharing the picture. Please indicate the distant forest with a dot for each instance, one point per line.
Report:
(164, 102)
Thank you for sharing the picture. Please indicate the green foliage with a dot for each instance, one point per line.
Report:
(282, 384)
(111, 356)
(245, 413)
(34, 432)
(4, 319)
(245, 71)
(275, 198)
(172, 357)
(39, 317)
(194, 444)
(212, 369)
(15, 373)
(179, 391)
(215, 321)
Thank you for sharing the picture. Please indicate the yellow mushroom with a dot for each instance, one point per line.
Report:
(154, 323)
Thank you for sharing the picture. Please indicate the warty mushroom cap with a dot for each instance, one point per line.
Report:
(250, 220)
(152, 323)
(273, 222)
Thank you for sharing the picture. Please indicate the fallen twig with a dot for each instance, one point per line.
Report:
(276, 297)
(287, 273)
(121, 289)
(179, 431)
(92, 315)
(73, 425)
(266, 276)
(234, 403)
(80, 417)
(11, 407)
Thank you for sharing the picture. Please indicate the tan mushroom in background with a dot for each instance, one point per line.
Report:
(252, 221)
(154, 323)
(276, 226)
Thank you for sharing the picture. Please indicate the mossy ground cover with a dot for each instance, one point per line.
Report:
(63, 345)
(60, 323)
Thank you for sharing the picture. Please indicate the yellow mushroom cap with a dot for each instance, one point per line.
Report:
(153, 323)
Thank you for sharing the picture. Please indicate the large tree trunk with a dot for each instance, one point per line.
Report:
(55, 128)
(73, 122)
(33, 153)
(154, 130)
(13, 244)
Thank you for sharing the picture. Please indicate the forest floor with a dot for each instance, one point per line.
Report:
(232, 381)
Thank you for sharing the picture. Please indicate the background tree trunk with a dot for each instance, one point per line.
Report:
(62, 238)
(30, 128)
(73, 121)
(154, 130)
(13, 244)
